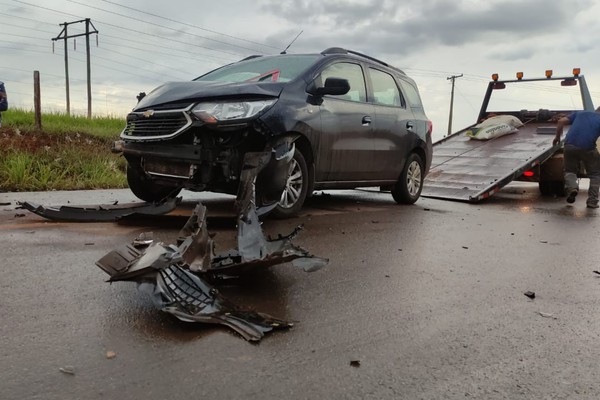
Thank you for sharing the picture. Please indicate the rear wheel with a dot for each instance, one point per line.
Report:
(145, 189)
(408, 188)
(296, 188)
(551, 188)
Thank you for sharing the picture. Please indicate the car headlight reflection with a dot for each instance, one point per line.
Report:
(213, 112)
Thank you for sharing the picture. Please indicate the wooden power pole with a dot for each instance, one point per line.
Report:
(452, 78)
(63, 35)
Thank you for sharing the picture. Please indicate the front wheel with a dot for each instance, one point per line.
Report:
(145, 189)
(296, 188)
(408, 188)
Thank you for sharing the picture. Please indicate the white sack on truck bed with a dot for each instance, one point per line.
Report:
(493, 127)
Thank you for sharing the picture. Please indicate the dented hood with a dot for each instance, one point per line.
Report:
(176, 92)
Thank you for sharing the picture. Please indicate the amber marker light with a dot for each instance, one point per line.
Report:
(576, 71)
(548, 73)
(495, 77)
(519, 75)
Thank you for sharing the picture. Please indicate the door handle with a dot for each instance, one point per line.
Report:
(409, 126)
(366, 120)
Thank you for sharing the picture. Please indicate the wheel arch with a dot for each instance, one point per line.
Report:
(303, 144)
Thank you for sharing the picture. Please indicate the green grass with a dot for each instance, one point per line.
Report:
(57, 123)
(69, 153)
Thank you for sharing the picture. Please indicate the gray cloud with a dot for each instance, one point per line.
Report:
(386, 27)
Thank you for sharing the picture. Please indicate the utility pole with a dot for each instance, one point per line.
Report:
(63, 35)
(452, 78)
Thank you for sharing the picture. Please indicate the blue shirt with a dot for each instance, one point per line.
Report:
(3, 100)
(584, 130)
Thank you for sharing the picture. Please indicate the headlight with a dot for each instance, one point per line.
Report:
(214, 112)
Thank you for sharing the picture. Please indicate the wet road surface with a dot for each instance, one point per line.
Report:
(423, 301)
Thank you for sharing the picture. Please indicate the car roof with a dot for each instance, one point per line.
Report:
(335, 51)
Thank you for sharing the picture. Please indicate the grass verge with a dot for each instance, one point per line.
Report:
(69, 153)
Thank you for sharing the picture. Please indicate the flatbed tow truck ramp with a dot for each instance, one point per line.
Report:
(465, 169)
(472, 170)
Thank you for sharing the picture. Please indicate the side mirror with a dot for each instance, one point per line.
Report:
(499, 85)
(568, 82)
(333, 86)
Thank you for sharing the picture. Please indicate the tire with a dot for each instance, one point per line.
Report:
(408, 188)
(296, 188)
(552, 188)
(145, 189)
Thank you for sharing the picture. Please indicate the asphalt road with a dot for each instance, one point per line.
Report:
(418, 302)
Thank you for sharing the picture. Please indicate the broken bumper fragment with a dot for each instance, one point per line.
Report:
(100, 213)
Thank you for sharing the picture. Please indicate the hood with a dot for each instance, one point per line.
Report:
(177, 92)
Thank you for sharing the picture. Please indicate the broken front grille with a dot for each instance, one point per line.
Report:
(155, 124)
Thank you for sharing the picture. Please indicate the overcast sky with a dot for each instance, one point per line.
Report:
(143, 43)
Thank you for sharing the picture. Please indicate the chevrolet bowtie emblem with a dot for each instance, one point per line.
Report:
(148, 113)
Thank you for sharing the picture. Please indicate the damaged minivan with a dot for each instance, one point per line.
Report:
(334, 120)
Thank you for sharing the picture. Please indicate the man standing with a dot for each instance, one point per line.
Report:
(3, 101)
(580, 146)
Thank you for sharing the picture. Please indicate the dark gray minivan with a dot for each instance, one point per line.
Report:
(350, 119)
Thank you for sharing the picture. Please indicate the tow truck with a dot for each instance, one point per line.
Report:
(470, 170)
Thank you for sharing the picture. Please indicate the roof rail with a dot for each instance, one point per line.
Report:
(340, 50)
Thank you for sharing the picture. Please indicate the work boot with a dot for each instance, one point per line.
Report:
(592, 205)
(572, 195)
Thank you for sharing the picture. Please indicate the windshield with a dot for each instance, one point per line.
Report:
(535, 95)
(281, 68)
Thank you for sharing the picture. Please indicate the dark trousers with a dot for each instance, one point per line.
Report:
(591, 160)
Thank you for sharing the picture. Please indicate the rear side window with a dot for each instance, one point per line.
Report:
(413, 96)
(385, 90)
(353, 73)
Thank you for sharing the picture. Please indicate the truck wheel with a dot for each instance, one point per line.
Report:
(551, 188)
(296, 188)
(408, 188)
(145, 189)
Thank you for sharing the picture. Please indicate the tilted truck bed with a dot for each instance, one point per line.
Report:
(471, 170)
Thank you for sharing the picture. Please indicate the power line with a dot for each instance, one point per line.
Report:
(191, 25)
(160, 26)
(131, 30)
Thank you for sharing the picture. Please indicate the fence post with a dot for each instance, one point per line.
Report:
(37, 99)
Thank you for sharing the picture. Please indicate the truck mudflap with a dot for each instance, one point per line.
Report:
(100, 213)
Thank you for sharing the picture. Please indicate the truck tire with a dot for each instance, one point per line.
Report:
(408, 188)
(145, 189)
(296, 188)
(552, 188)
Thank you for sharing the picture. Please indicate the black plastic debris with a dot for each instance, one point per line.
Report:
(189, 298)
(596, 272)
(355, 363)
(177, 275)
(100, 213)
(530, 294)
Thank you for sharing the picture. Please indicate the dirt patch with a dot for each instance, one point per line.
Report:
(34, 142)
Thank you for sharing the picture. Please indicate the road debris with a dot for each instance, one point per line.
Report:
(596, 272)
(110, 354)
(530, 294)
(67, 369)
(177, 275)
(355, 363)
(99, 213)
(547, 315)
